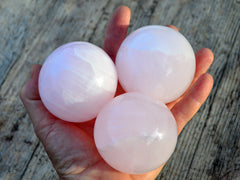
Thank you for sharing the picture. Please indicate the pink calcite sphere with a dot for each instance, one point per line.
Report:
(135, 133)
(76, 80)
(156, 60)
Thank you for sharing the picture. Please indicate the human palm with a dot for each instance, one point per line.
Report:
(70, 146)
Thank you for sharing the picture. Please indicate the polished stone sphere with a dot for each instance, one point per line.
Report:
(156, 60)
(135, 133)
(76, 81)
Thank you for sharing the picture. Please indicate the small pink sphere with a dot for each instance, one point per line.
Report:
(76, 81)
(135, 133)
(156, 60)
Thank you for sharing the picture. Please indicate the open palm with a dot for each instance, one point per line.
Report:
(70, 146)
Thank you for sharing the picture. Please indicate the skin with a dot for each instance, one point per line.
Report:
(70, 146)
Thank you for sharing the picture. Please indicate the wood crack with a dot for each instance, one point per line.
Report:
(9, 69)
(26, 167)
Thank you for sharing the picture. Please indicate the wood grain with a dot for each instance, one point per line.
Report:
(208, 147)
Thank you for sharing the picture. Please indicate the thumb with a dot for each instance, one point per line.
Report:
(39, 115)
(30, 89)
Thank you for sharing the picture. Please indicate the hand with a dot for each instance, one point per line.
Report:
(70, 146)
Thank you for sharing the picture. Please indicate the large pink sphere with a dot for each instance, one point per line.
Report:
(76, 80)
(156, 60)
(135, 133)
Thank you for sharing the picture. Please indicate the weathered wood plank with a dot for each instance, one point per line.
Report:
(47, 28)
(40, 166)
(208, 148)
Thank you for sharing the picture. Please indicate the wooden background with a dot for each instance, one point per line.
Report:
(208, 147)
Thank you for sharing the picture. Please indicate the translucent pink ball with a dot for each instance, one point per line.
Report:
(135, 133)
(76, 81)
(156, 60)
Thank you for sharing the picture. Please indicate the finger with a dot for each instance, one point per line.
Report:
(29, 94)
(204, 59)
(173, 27)
(30, 90)
(116, 30)
(185, 109)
